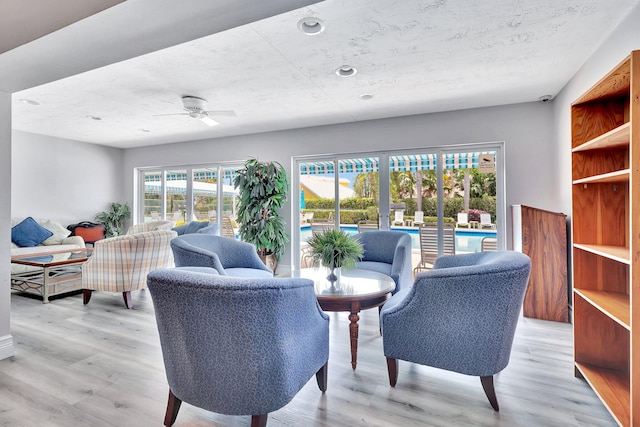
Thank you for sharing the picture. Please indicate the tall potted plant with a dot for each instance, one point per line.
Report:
(263, 190)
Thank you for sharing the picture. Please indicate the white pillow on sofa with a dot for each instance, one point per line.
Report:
(59, 232)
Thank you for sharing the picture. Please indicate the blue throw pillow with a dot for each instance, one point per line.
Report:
(181, 229)
(194, 226)
(29, 233)
(212, 228)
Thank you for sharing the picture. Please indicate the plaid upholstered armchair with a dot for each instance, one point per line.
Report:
(121, 263)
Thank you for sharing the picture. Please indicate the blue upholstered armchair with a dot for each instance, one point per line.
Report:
(460, 316)
(238, 346)
(387, 252)
(230, 257)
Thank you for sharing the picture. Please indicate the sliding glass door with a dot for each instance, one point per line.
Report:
(458, 192)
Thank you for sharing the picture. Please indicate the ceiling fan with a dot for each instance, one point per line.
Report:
(196, 108)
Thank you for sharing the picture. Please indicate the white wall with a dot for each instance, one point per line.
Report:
(624, 39)
(531, 175)
(6, 342)
(63, 180)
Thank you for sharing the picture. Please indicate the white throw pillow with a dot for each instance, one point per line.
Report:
(59, 232)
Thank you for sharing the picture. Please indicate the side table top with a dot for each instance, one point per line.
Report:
(351, 284)
(53, 258)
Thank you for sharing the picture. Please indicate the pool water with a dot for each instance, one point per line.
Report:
(466, 241)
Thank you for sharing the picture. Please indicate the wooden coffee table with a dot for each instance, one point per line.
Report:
(356, 290)
(57, 272)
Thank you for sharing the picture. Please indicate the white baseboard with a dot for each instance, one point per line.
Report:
(6, 347)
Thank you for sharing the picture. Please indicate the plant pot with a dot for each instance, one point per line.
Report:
(270, 261)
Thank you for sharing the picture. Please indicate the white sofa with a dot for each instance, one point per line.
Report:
(59, 241)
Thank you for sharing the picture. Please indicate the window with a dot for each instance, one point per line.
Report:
(188, 193)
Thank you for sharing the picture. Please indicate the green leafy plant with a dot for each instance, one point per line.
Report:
(263, 190)
(113, 219)
(335, 248)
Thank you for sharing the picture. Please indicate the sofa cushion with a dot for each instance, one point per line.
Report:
(59, 232)
(29, 233)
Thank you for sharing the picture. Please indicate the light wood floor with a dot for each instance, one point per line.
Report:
(101, 365)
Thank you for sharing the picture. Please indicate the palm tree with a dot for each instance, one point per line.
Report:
(366, 185)
(402, 184)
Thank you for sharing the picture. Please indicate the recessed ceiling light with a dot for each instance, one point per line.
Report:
(28, 101)
(145, 130)
(311, 26)
(93, 117)
(346, 71)
(366, 96)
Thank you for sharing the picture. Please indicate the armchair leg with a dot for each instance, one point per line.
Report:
(173, 406)
(86, 296)
(392, 367)
(127, 299)
(259, 420)
(321, 377)
(490, 391)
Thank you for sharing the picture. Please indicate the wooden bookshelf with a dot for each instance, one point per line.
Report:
(605, 143)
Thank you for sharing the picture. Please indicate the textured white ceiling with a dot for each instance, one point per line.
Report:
(413, 56)
(21, 24)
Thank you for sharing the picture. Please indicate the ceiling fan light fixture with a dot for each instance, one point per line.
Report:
(311, 26)
(208, 121)
(196, 108)
(346, 71)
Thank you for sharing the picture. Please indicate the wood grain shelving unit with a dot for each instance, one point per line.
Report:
(605, 141)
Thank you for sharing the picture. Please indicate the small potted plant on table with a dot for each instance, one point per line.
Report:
(334, 248)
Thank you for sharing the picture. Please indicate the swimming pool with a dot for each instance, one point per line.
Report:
(466, 240)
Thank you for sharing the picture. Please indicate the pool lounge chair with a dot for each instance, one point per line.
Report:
(227, 229)
(489, 244)
(318, 225)
(306, 217)
(485, 221)
(463, 220)
(367, 226)
(398, 218)
(418, 219)
(429, 245)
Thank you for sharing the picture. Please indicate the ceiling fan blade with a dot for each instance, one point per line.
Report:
(209, 121)
(222, 113)
(172, 114)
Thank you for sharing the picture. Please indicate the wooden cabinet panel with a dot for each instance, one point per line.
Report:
(544, 239)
